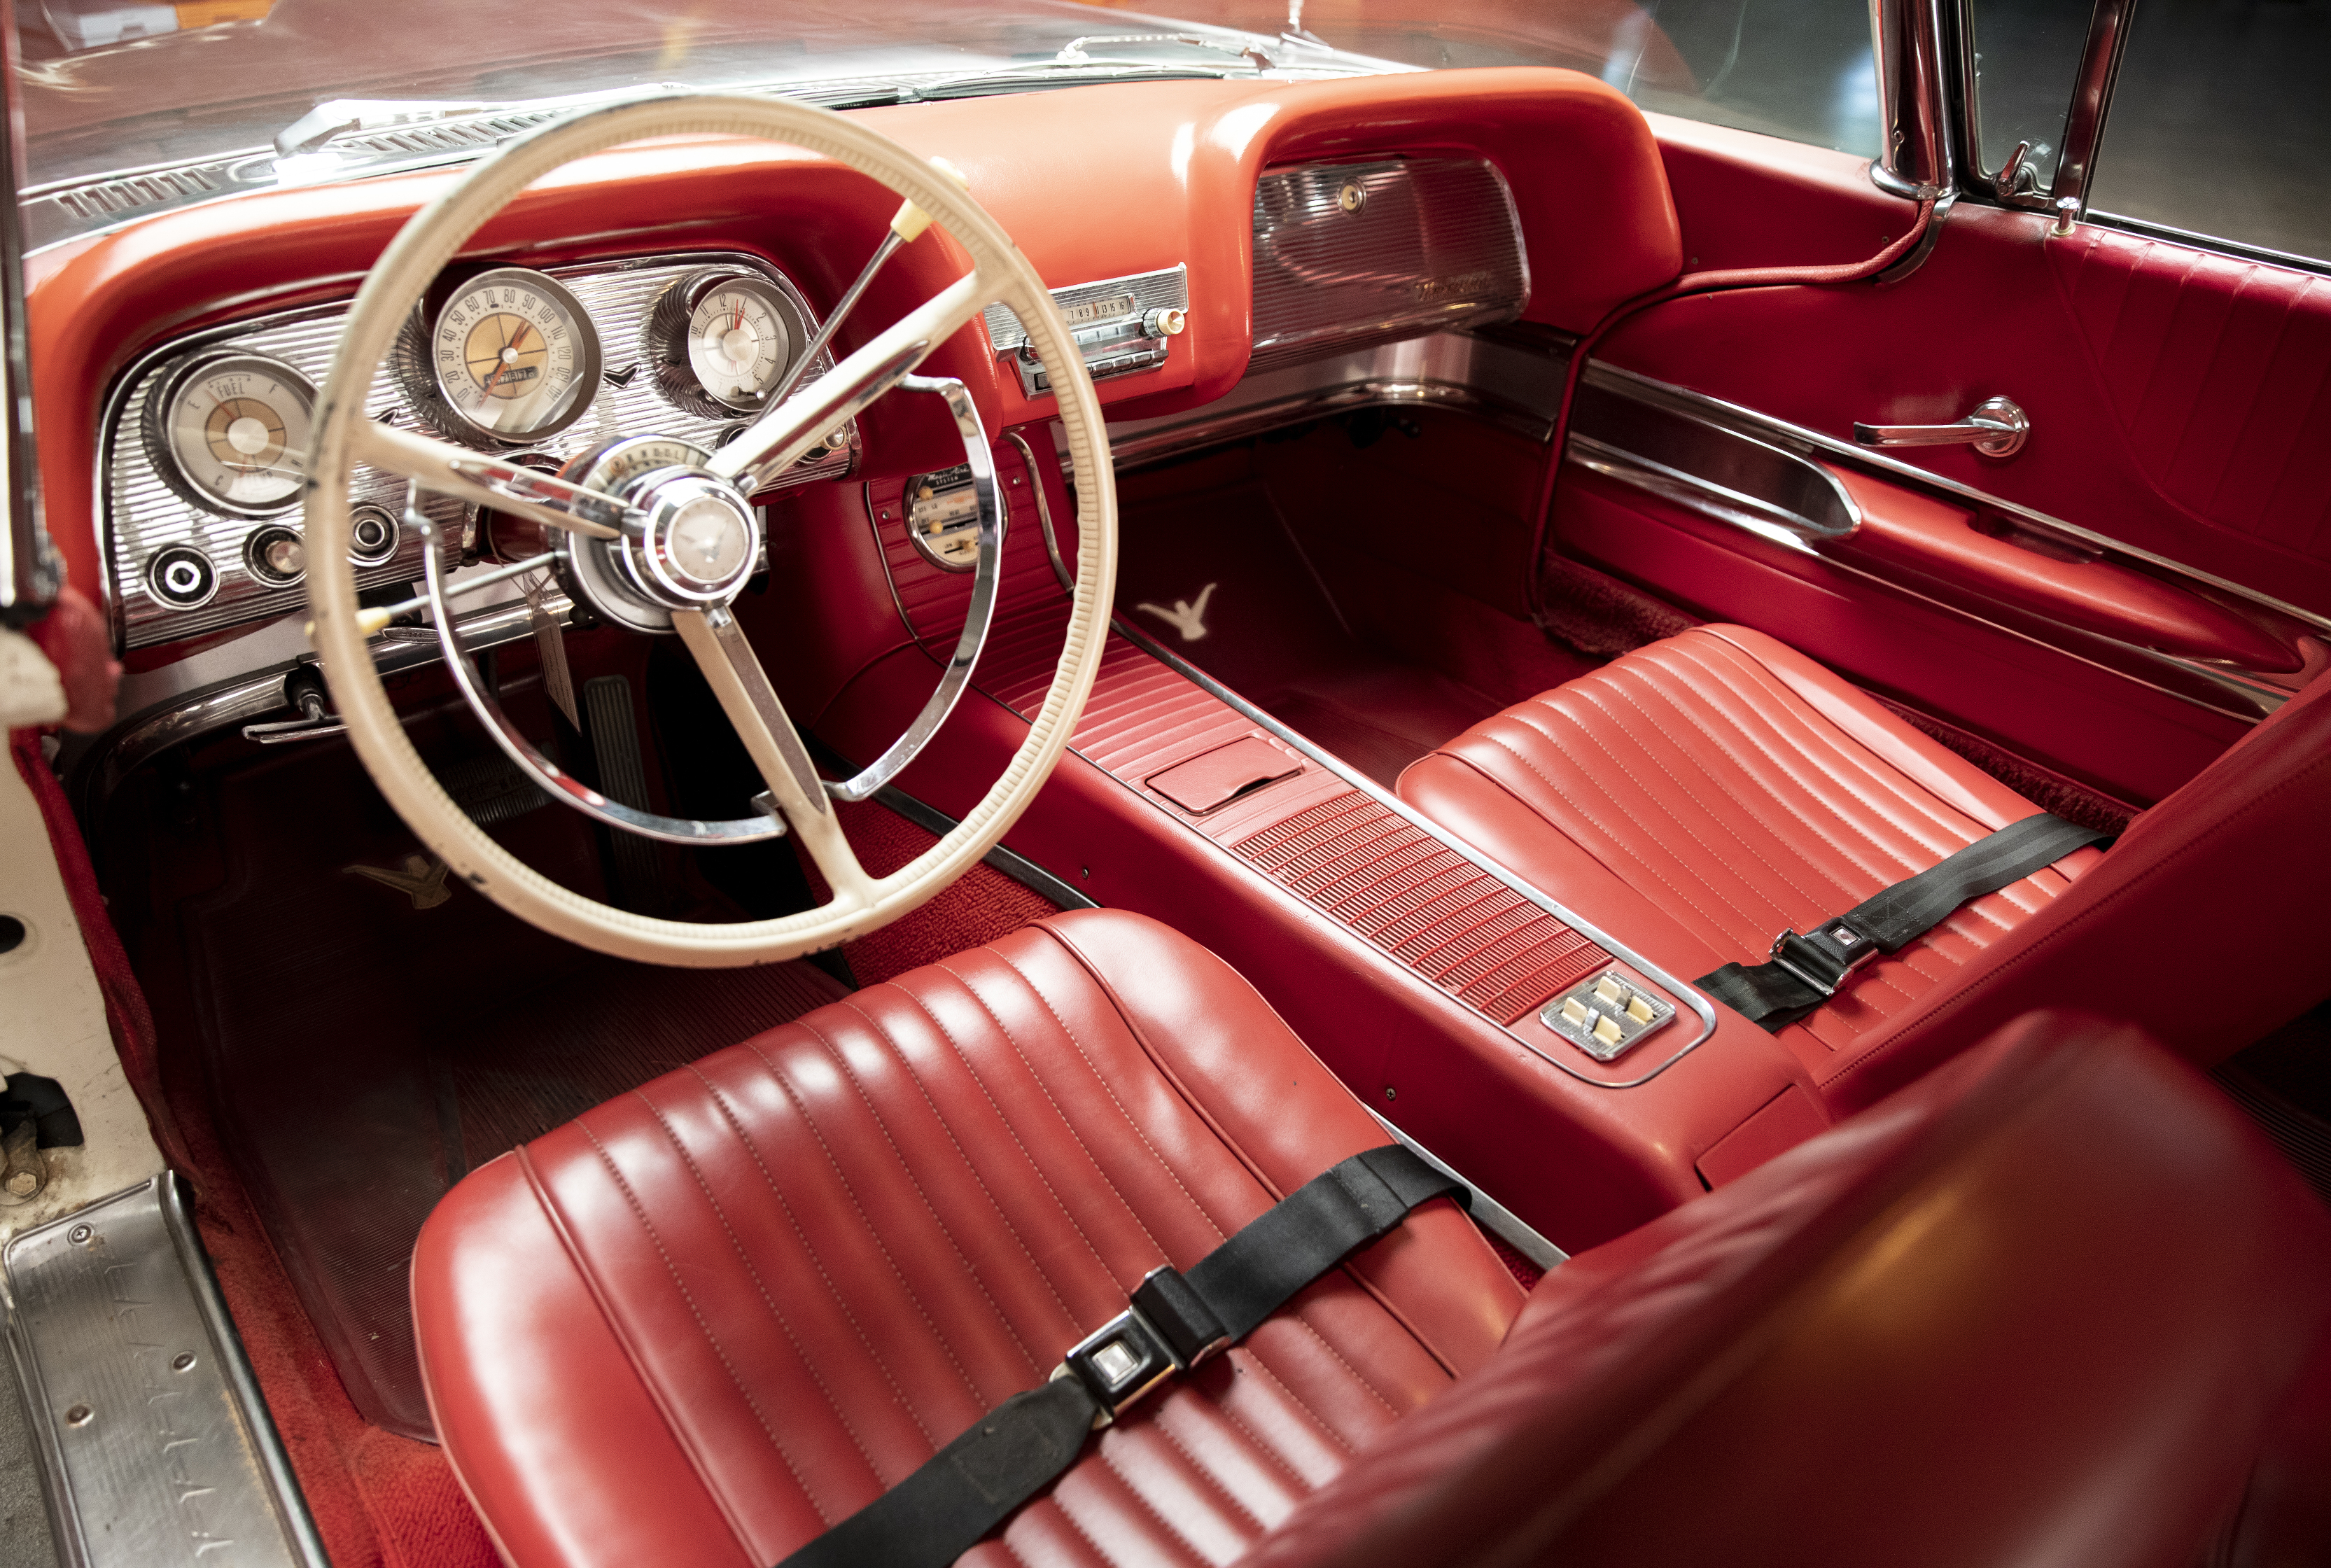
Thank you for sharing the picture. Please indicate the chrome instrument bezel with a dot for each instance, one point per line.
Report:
(163, 454)
(957, 478)
(139, 514)
(664, 338)
(418, 372)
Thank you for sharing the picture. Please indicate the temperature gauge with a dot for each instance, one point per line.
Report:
(722, 340)
(229, 432)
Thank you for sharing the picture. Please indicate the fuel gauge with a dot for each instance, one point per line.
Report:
(723, 339)
(229, 432)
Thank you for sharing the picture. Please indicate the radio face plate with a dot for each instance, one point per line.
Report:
(1111, 320)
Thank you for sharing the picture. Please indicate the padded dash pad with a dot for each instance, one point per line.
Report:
(1217, 777)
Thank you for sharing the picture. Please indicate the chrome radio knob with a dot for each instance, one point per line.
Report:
(1165, 321)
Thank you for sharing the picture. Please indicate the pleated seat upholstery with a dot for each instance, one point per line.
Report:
(713, 1317)
(1701, 794)
(1744, 791)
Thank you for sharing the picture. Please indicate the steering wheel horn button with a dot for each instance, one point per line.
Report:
(700, 542)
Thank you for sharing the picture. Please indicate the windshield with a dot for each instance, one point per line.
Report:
(132, 107)
(110, 86)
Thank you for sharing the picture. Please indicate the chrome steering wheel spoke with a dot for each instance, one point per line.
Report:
(556, 781)
(734, 672)
(486, 480)
(979, 615)
(778, 440)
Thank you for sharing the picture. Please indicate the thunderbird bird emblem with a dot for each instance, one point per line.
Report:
(1188, 619)
(423, 880)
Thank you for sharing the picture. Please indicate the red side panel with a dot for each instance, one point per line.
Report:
(2215, 370)
(2175, 398)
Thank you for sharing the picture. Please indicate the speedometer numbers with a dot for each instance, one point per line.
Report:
(721, 340)
(510, 358)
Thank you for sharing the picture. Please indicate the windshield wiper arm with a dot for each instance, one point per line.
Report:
(1073, 51)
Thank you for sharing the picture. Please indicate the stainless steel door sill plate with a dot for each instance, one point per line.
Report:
(154, 1447)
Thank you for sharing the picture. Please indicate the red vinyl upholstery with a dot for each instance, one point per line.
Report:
(2043, 1307)
(707, 1320)
(1697, 796)
(2048, 1304)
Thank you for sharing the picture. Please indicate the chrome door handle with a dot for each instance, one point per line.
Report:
(1997, 428)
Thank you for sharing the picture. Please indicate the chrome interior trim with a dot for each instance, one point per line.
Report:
(1060, 572)
(1811, 441)
(1914, 118)
(138, 513)
(1488, 1213)
(29, 577)
(1699, 1004)
(1728, 474)
(239, 697)
(2092, 90)
(156, 1446)
(1359, 253)
(1724, 462)
(1494, 379)
(956, 677)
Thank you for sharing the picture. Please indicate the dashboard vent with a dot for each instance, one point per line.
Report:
(102, 199)
(1350, 254)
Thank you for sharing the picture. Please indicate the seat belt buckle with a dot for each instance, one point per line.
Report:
(1823, 956)
(1119, 1363)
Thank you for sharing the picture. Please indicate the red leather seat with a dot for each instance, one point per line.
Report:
(708, 1319)
(1700, 795)
(2043, 1304)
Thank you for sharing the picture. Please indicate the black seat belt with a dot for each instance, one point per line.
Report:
(1175, 1322)
(1806, 969)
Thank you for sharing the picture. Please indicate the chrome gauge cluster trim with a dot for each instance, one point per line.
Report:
(143, 515)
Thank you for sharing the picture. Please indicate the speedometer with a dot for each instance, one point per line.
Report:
(511, 358)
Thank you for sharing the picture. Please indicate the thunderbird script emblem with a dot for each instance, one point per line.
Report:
(423, 878)
(1188, 619)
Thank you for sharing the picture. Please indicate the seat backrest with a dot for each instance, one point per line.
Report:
(2207, 922)
(2042, 1307)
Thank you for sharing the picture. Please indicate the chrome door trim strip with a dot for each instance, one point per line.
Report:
(1328, 760)
(1718, 412)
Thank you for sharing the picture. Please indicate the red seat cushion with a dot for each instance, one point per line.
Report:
(709, 1318)
(2042, 1307)
(1703, 795)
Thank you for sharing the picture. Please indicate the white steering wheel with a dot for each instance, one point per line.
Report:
(707, 505)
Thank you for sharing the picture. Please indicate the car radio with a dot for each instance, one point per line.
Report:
(1120, 324)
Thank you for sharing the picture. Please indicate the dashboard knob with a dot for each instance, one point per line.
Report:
(181, 577)
(1166, 321)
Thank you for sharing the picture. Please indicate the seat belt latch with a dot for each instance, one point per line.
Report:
(1167, 1328)
(1823, 956)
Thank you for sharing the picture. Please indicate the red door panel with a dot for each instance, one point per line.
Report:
(2176, 399)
